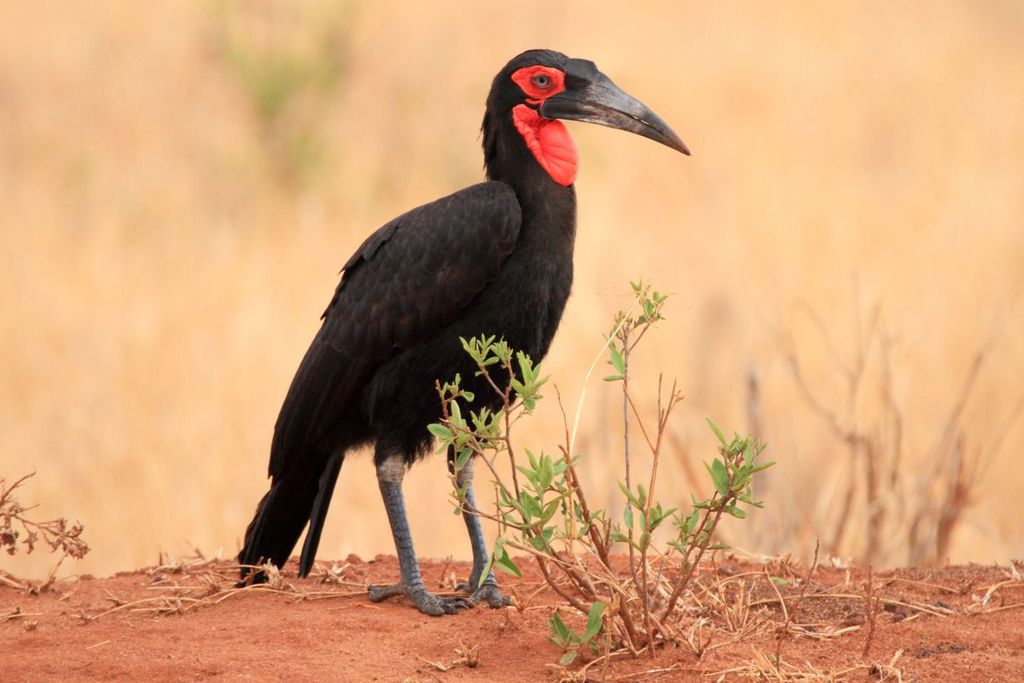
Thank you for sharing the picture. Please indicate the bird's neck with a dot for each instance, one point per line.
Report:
(508, 158)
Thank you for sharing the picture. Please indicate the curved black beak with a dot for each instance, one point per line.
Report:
(590, 96)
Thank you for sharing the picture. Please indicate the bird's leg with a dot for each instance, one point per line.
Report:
(487, 591)
(390, 471)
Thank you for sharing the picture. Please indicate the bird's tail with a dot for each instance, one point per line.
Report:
(316, 518)
(282, 514)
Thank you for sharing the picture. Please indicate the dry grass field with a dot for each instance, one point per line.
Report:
(181, 181)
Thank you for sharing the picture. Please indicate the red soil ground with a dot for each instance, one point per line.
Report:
(184, 622)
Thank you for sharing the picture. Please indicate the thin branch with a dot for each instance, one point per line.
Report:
(590, 372)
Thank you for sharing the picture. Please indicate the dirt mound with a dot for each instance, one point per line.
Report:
(184, 620)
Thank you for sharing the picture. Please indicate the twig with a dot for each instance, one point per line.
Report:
(803, 591)
(590, 372)
(16, 613)
(870, 611)
(1002, 608)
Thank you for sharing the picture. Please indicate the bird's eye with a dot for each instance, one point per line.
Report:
(541, 80)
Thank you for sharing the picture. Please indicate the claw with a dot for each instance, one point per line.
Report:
(425, 601)
(488, 593)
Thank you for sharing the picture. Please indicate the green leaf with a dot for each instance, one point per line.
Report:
(567, 658)
(531, 504)
(526, 368)
(490, 561)
(658, 516)
(627, 516)
(530, 475)
(505, 563)
(718, 432)
(559, 629)
(440, 431)
(594, 622)
(517, 506)
(720, 476)
(615, 536)
(613, 378)
(545, 473)
(692, 520)
(617, 361)
(534, 463)
(549, 511)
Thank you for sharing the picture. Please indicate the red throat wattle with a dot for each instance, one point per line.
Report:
(547, 139)
(550, 143)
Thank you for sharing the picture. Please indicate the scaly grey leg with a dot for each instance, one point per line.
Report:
(487, 591)
(390, 472)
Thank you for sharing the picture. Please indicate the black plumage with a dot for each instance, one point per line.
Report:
(493, 258)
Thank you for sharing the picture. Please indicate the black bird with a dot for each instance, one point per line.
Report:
(494, 258)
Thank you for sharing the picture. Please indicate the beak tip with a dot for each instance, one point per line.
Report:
(680, 146)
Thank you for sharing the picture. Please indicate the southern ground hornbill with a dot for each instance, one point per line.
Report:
(494, 258)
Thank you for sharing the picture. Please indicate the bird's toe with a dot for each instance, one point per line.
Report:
(379, 593)
(437, 606)
(425, 601)
(491, 595)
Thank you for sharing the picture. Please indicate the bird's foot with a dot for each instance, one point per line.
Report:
(425, 601)
(489, 593)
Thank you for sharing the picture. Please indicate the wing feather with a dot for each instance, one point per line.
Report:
(403, 285)
(416, 273)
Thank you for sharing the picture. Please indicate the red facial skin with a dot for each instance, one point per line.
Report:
(547, 139)
(527, 77)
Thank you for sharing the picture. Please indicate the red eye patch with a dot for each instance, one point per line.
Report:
(539, 82)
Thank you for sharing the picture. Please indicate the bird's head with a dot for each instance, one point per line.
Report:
(539, 87)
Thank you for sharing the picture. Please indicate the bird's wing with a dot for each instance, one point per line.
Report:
(408, 280)
(416, 274)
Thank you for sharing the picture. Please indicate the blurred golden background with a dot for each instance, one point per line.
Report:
(180, 183)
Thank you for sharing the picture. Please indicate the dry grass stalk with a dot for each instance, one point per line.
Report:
(19, 531)
(214, 583)
(465, 656)
(870, 611)
(921, 500)
(16, 613)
